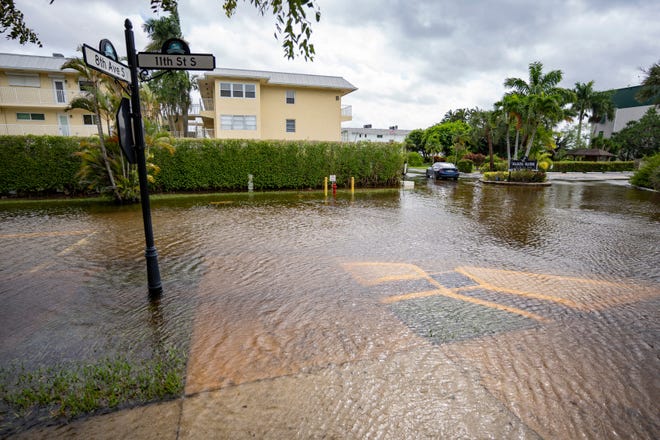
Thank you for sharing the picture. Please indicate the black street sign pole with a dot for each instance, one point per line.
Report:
(153, 273)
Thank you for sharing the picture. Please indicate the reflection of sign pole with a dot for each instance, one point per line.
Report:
(153, 273)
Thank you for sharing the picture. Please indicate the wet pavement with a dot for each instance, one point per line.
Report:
(360, 320)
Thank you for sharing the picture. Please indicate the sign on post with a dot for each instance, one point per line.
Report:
(523, 164)
(125, 130)
(162, 61)
(97, 61)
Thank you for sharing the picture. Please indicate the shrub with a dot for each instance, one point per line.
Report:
(415, 159)
(648, 175)
(498, 166)
(39, 164)
(585, 166)
(527, 176)
(465, 165)
(477, 158)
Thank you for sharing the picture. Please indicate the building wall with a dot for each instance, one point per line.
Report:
(316, 112)
(236, 106)
(44, 103)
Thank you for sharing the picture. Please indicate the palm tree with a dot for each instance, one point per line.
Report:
(584, 94)
(512, 110)
(95, 100)
(543, 101)
(173, 88)
(592, 104)
(651, 85)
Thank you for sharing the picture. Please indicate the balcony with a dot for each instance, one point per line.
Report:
(347, 113)
(35, 96)
(46, 129)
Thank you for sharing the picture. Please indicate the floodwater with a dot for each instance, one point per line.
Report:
(454, 310)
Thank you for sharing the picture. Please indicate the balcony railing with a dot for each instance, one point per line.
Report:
(347, 113)
(45, 129)
(31, 96)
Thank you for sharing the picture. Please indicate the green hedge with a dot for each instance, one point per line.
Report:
(38, 164)
(584, 166)
(35, 165)
(216, 164)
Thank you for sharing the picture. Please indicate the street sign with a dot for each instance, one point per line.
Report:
(125, 130)
(523, 164)
(97, 61)
(163, 61)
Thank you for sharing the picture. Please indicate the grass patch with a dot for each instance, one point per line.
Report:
(66, 392)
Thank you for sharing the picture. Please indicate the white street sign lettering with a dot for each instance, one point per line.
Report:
(97, 61)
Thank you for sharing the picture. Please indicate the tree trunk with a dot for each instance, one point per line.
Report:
(490, 148)
(104, 152)
(530, 142)
(579, 133)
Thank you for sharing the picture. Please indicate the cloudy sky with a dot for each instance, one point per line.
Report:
(411, 60)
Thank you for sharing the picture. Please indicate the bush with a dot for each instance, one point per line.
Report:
(648, 175)
(465, 165)
(585, 166)
(477, 158)
(39, 165)
(224, 164)
(526, 176)
(415, 159)
(498, 166)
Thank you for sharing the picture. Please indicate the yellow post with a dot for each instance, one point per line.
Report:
(325, 186)
(352, 185)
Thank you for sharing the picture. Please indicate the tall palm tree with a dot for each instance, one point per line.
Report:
(174, 87)
(591, 104)
(96, 101)
(543, 100)
(512, 110)
(584, 100)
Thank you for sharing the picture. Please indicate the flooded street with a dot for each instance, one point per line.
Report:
(454, 310)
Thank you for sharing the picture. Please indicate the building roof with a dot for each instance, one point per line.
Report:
(9, 61)
(285, 79)
(625, 98)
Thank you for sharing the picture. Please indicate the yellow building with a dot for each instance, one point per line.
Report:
(252, 104)
(246, 104)
(34, 92)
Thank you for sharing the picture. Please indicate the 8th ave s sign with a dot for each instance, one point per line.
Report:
(97, 61)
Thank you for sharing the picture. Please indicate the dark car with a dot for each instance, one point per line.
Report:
(442, 170)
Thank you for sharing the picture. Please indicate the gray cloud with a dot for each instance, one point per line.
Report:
(411, 60)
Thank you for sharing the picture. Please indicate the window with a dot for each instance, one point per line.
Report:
(290, 125)
(60, 93)
(30, 116)
(238, 90)
(89, 119)
(290, 96)
(225, 89)
(379, 136)
(24, 80)
(238, 122)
